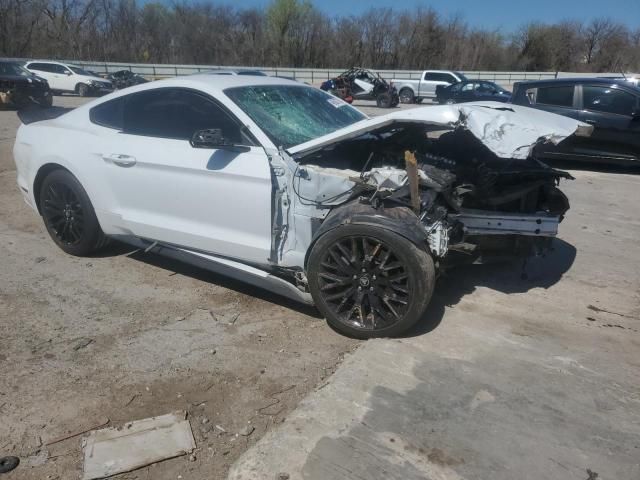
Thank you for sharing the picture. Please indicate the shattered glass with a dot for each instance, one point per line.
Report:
(291, 114)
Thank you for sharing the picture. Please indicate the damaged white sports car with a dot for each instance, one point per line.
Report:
(291, 189)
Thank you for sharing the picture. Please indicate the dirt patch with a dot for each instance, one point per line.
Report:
(125, 336)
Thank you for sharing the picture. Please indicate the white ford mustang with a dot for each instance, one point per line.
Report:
(288, 188)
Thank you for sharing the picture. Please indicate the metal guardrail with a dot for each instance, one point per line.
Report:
(311, 75)
(317, 75)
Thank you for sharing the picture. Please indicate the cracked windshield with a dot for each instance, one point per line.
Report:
(291, 115)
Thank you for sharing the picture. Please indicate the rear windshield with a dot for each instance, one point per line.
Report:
(290, 114)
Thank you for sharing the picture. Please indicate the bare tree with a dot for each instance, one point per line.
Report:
(295, 33)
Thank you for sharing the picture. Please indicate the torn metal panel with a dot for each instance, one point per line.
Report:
(509, 131)
(136, 444)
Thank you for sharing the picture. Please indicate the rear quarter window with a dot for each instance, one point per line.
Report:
(109, 114)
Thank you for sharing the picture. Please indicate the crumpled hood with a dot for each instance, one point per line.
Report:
(509, 131)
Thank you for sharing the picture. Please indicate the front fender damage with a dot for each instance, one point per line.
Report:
(461, 181)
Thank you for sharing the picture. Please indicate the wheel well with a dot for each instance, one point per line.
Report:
(45, 170)
(78, 86)
(400, 220)
(404, 89)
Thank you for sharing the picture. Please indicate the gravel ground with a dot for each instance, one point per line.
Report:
(127, 335)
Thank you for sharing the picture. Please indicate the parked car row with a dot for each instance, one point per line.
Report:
(35, 82)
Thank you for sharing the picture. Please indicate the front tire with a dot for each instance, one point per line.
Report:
(83, 90)
(370, 282)
(69, 216)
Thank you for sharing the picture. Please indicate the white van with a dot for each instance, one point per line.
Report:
(69, 78)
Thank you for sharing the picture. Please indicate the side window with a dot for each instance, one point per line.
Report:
(469, 87)
(109, 114)
(485, 87)
(609, 100)
(558, 96)
(42, 67)
(176, 113)
(59, 69)
(447, 77)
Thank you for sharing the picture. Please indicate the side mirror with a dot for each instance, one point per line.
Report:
(209, 138)
(68, 73)
(214, 138)
(636, 114)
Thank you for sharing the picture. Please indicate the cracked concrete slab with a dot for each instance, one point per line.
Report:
(518, 378)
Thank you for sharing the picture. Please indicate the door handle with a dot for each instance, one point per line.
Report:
(120, 159)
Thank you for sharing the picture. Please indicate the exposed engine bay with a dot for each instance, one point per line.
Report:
(473, 205)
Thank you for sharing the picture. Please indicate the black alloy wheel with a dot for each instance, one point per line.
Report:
(69, 215)
(370, 283)
(63, 213)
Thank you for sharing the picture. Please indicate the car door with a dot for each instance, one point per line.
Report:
(68, 79)
(487, 91)
(562, 99)
(468, 92)
(215, 200)
(613, 112)
(431, 80)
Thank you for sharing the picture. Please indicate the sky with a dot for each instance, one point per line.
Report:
(491, 14)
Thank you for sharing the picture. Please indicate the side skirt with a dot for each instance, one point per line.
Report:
(224, 266)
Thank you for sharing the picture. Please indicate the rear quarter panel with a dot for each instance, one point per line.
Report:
(66, 143)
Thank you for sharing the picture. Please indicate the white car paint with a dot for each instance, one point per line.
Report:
(63, 78)
(221, 203)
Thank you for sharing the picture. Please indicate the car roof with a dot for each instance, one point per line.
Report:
(234, 71)
(577, 80)
(47, 61)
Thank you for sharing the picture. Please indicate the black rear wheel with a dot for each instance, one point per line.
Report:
(68, 214)
(384, 100)
(370, 282)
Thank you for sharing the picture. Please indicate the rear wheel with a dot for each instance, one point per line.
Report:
(370, 282)
(406, 96)
(69, 216)
(383, 100)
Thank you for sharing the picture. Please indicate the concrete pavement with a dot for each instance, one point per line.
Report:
(512, 378)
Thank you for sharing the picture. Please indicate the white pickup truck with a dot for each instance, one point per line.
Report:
(411, 91)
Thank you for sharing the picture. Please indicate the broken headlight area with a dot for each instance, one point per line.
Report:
(472, 205)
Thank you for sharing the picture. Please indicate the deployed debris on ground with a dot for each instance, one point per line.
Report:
(136, 444)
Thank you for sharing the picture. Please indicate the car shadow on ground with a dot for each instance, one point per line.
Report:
(514, 277)
(204, 275)
(517, 276)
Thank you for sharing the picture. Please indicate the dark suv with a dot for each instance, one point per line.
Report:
(611, 106)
